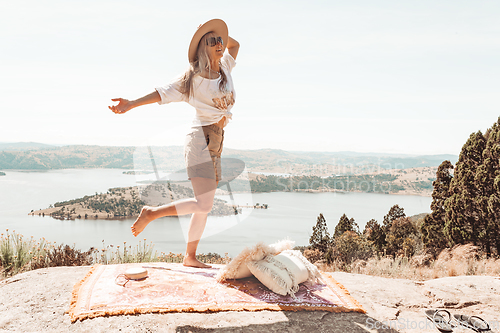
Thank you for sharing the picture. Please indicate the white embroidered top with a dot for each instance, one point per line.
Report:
(210, 102)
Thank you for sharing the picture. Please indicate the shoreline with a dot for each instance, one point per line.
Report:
(80, 213)
(126, 203)
(347, 192)
(106, 216)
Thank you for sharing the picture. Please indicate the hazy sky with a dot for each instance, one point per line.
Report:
(411, 77)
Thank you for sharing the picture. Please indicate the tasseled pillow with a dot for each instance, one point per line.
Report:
(237, 268)
(284, 272)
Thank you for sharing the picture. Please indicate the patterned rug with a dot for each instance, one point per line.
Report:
(172, 287)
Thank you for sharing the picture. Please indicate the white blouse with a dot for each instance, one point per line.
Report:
(210, 102)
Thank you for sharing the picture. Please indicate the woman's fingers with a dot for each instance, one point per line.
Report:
(116, 108)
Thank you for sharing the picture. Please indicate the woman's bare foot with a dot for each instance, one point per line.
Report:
(142, 221)
(191, 261)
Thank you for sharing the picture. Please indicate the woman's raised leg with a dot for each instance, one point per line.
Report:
(204, 191)
(199, 206)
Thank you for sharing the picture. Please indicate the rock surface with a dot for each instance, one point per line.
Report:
(37, 301)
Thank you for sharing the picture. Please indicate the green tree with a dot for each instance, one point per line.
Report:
(463, 208)
(349, 247)
(345, 224)
(401, 237)
(394, 213)
(466, 206)
(488, 178)
(494, 213)
(432, 227)
(375, 234)
(320, 239)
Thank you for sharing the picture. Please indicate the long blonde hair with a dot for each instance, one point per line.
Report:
(202, 62)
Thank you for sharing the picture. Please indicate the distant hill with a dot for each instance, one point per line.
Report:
(22, 146)
(258, 158)
(35, 156)
(67, 157)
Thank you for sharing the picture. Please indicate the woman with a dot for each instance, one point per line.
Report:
(208, 87)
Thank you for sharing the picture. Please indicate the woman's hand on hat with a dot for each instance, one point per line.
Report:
(123, 105)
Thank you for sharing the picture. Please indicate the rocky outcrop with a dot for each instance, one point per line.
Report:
(37, 301)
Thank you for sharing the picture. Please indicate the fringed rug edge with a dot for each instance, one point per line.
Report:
(357, 307)
(75, 293)
(210, 309)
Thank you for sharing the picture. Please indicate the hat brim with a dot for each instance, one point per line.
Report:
(216, 25)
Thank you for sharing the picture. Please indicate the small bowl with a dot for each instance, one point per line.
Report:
(136, 273)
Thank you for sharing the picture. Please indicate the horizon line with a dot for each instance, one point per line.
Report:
(246, 149)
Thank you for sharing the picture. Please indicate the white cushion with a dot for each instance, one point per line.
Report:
(237, 268)
(242, 272)
(281, 273)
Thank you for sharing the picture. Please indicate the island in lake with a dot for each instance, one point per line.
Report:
(127, 202)
(2, 173)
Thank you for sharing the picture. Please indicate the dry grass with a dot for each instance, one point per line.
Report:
(144, 253)
(18, 255)
(460, 260)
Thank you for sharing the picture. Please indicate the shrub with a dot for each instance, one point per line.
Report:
(349, 247)
(314, 255)
(64, 255)
(400, 238)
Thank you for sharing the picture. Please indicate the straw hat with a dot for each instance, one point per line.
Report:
(216, 25)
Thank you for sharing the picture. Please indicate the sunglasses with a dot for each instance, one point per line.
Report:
(212, 41)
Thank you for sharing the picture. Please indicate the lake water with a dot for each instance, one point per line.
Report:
(289, 215)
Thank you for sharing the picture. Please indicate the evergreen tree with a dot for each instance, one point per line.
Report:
(489, 180)
(345, 224)
(462, 208)
(494, 211)
(395, 213)
(375, 234)
(349, 247)
(432, 227)
(400, 238)
(468, 203)
(320, 238)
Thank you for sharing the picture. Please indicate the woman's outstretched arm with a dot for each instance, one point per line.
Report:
(125, 105)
